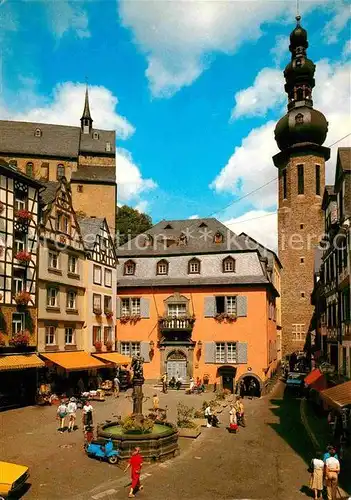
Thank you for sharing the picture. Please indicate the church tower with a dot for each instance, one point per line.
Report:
(301, 166)
(86, 122)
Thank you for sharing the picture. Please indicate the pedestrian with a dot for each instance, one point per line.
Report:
(62, 413)
(116, 386)
(232, 416)
(332, 469)
(72, 414)
(164, 383)
(317, 472)
(327, 454)
(135, 464)
(208, 415)
(252, 389)
(87, 414)
(240, 412)
(179, 382)
(242, 388)
(192, 385)
(155, 402)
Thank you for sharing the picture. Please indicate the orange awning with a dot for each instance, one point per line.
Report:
(20, 362)
(73, 361)
(114, 357)
(338, 396)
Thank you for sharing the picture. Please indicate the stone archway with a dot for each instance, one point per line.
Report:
(247, 379)
(176, 364)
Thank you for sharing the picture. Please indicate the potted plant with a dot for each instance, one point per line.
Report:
(97, 312)
(98, 345)
(186, 425)
(109, 314)
(24, 215)
(109, 345)
(22, 298)
(20, 339)
(23, 256)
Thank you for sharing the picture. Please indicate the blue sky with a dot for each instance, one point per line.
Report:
(192, 88)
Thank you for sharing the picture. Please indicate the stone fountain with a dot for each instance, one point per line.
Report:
(158, 443)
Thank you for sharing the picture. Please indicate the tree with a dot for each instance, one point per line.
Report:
(130, 223)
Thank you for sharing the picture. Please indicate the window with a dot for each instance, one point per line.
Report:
(69, 336)
(177, 310)
(50, 335)
(95, 135)
(79, 188)
(96, 334)
(300, 180)
(302, 260)
(72, 264)
(318, 180)
(231, 352)
(38, 132)
(285, 185)
(130, 348)
(107, 334)
(97, 275)
(298, 331)
(20, 202)
(108, 147)
(226, 304)
(162, 267)
(20, 242)
(135, 307)
(96, 302)
(107, 303)
(71, 299)
(301, 226)
(228, 265)
(44, 171)
(53, 260)
(130, 306)
(60, 171)
(30, 169)
(194, 266)
(18, 281)
(52, 297)
(231, 305)
(108, 277)
(220, 352)
(62, 223)
(341, 204)
(125, 309)
(17, 323)
(129, 267)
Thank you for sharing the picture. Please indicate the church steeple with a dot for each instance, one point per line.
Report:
(86, 120)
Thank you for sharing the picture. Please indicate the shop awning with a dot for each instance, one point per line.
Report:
(20, 362)
(114, 357)
(73, 361)
(338, 396)
(316, 380)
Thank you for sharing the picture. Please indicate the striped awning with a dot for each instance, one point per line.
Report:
(73, 361)
(20, 362)
(114, 357)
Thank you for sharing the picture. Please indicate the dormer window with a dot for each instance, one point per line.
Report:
(129, 268)
(203, 225)
(182, 240)
(147, 241)
(38, 132)
(168, 226)
(60, 171)
(162, 267)
(194, 266)
(229, 265)
(95, 135)
(108, 147)
(218, 237)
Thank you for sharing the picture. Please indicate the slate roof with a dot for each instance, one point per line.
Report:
(200, 239)
(48, 195)
(344, 156)
(94, 173)
(264, 251)
(90, 227)
(193, 281)
(62, 141)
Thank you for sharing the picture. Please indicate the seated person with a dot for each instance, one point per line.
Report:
(172, 383)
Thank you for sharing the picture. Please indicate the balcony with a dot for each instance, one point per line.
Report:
(184, 324)
(346, 331)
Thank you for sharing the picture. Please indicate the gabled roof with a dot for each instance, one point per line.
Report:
(90, 228)
(343, 165)
(328, 195)
(263, 251)
(11, 171)
(49, 194)
(94, 174)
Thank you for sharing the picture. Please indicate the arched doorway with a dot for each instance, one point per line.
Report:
(249, 385)
(227, 373)
(176, 365)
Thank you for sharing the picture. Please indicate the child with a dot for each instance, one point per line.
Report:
(156, 402)
(62, 413)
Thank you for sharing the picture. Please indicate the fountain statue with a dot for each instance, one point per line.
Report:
(138, 381)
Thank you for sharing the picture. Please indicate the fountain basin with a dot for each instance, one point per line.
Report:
(159, 444)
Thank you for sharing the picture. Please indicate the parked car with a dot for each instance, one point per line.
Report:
(13, 478)
(295, 380)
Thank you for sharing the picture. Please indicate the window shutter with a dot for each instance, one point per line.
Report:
(210, 352)
(145, 308)
(118, 307)
(145, 351)
(241, 305)
(118, 346)
(106, 334)
(242, 352)
(210, 307)
(95, 331)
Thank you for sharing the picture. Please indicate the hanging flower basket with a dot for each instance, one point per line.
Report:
(23, 256)
(2, 340)
(2, 207)
(22, 298)
(108, 345)
(20, 339)
(98, 346)
(97, 312)
(24, 215)
(109, 314)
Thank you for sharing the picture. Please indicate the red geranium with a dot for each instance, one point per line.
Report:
(98, 345)
(22, 298)
(24, 215)
(21, 338)
(23, 256)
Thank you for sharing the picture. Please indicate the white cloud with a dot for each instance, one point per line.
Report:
(194, 216)
(337, 23)
(142, 206)
(65, 16)
(280, 49)
(346, 52)
(259, 224)
(129, 179)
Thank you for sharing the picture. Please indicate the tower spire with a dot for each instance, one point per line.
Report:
(86, 120)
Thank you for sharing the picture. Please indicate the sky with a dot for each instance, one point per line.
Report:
(192, 88)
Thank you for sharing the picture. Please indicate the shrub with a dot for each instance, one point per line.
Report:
(109, 314)
(138, 425)
(185, 414)
(24, 215)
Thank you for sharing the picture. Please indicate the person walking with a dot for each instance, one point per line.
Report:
(62, 413)
(155, 402)
(135, 464)
(332, 469)
(116, 386)
(164, 383)
(317, 472)
(72, 414)
(240, 412)
(87, 414)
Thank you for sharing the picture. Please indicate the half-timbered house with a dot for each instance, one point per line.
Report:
(18, 285)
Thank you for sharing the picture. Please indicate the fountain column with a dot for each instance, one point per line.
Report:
(138, 397)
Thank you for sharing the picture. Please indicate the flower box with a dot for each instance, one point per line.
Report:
(230, 318)
(23, 256)
(24, 215)
(109, 314)
(108, 345)
(98, 345)
(22, 298)
(97, 312)
(20, 339)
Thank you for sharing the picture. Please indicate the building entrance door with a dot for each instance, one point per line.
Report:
(176, 365)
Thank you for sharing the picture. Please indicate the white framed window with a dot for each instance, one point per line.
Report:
(220, 352)
(52, 297)
(298, 332)
(19, 243)
(125, 348)
(17, 323)
(231, 352)
(129, 268)
(69, 336)
(194, 266)
(125, 307)
(72, 264)
(50, 335)
(96, 334)
(18, 284)
(228, 265)
(107, 303)
(177, 310)
(19, 204)
(107, 334)
(135, 306)
(97, 275)
(108, 278)
(130, 348)
(162, 267)
(71, 299)
(96, 302)
(53, 260)
(231, 304)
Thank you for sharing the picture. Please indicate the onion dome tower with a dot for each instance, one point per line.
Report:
(300, 135)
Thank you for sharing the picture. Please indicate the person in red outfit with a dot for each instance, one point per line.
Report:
(135, 464)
